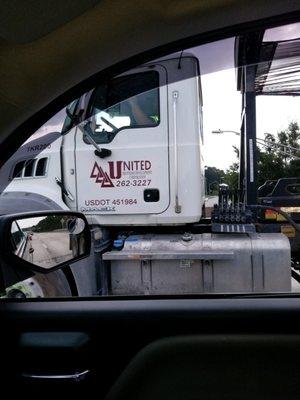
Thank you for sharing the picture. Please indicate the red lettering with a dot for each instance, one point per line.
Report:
(115, 172)
(126, 166)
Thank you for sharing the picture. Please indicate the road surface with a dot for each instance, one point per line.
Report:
(50, 248)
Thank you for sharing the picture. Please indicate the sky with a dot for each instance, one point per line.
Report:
(273, 114)
(29, 222)
(222, 101)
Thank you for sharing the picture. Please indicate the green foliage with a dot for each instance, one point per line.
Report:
(232, 176)
(276, 161)
(271, 162)
(214, 177)
(48, 224)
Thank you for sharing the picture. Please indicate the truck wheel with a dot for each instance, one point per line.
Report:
(54, 284)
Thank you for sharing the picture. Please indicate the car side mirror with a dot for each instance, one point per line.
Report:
(44, 241)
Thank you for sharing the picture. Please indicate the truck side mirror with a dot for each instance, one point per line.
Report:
(75, 118)
(44, 241)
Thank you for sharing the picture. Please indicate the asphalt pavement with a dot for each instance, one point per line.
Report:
(50, 248)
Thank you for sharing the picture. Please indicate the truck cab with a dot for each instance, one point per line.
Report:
(147, 125)
(137, 151)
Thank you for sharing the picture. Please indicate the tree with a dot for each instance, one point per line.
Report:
(49, 223)
(232, 176)
(277, 160)
(274, 161)
(213, 176)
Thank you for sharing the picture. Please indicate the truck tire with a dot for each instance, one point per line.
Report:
(54, 284)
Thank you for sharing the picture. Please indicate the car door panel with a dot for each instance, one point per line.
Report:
(102, 337)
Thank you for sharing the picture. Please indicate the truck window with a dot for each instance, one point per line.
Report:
(130, 101)
(41, 167)
(68, 122)
(293, 189)
(29, 168)
(17, 173)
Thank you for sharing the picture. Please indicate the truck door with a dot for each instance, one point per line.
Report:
(128, 117)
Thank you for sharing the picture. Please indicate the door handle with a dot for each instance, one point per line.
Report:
(102, 153)
(75, 377)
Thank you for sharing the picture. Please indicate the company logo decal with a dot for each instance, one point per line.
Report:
(118, 169)
(101, 176)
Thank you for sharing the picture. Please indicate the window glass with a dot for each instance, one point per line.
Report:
(17, 173)
(29, 168)
(69, 121)
(182, 167)
(130, 101)
(41, 167)
(294, 189)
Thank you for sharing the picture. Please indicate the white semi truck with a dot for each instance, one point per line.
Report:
(130, 157)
